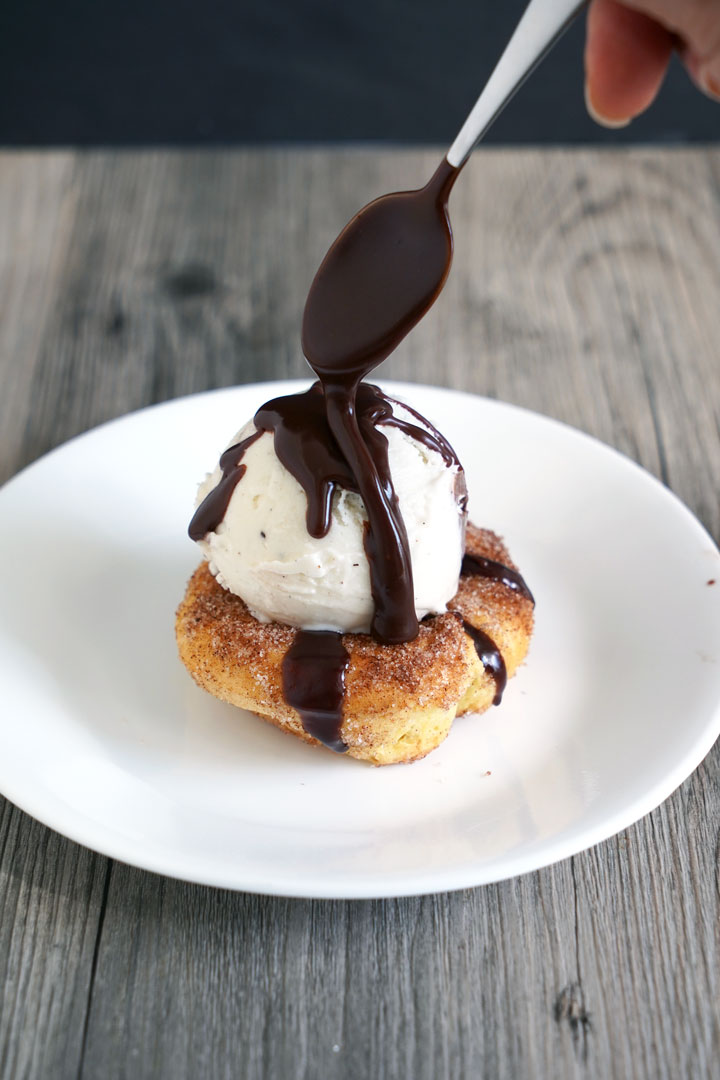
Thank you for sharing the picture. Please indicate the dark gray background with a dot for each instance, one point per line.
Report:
(187, 71)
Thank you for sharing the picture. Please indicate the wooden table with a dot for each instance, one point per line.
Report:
(587, 286)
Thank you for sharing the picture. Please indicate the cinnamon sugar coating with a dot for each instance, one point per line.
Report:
(400, 700)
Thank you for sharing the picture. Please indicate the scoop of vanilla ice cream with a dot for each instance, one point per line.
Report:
(263, 552)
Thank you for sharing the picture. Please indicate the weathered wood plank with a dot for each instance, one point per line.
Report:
(51, 891)
(585, 286)
(412, 988)
(52, 894)
(37, 212)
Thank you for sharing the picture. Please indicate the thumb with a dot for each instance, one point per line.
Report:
(626, 57)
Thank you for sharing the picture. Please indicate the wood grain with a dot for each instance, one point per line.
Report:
(585, 286)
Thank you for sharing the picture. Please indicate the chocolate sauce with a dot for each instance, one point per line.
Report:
(376, 282)
(313, 673)
(212, 509)
(306, 447)
(479, 566)
(487, 650)
(491, 658)
(378, 279)
(422, 432)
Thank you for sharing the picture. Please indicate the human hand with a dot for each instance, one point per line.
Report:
(628, 49)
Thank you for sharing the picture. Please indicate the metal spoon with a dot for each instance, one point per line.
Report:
(541, 26)
(390, 262)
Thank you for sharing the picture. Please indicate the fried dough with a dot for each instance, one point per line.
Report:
(400, 700)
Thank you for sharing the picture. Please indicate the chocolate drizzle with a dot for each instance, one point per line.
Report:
(308, 449)
(479, 566)
(487, 650)
(313, 673)
(491, 658)
(306, 445)
(376, 282)
(422, 432)
(212, 509)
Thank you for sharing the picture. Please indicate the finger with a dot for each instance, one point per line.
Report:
(703, 70)
(626, 57)
(696, 26)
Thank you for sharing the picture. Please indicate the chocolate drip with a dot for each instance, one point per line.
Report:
(386, 543)
(376, 282)
(313, 673)
(491, 658)
(306, 443)
(479, 566)
(306, 447)
(325, 443)
(325, 446)
(212, 509)
(423, 432)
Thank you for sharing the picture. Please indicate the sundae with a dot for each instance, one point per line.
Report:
(343, 595)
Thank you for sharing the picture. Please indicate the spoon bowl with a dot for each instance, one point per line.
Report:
(378, 279)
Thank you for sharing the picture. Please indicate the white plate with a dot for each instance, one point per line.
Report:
(105, 738)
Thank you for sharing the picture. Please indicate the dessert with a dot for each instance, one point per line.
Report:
(278, 618)
(345, 598)
(382, 704)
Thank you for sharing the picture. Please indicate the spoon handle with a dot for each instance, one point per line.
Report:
(543, 22)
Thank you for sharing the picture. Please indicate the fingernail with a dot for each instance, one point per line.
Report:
(604, 121)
